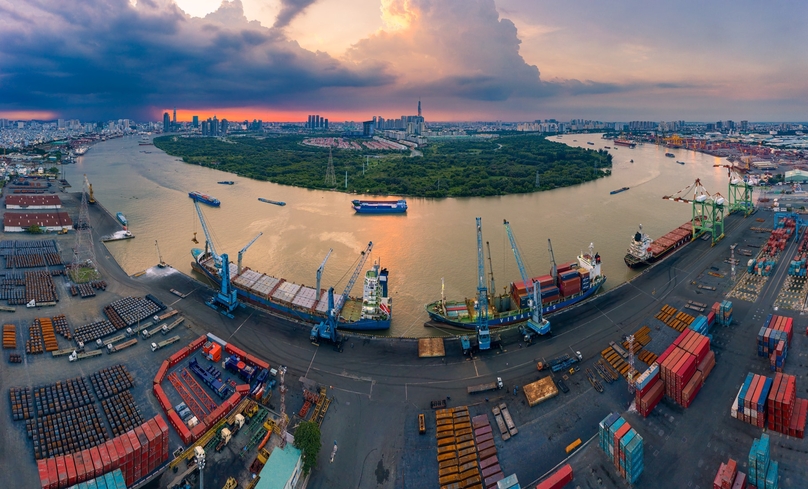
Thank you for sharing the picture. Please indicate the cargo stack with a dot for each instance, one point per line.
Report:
(557, 479)
(763, 472)
(685, 365)
(786, 413)
(750, 405)
(722, 312)
(774, 340)
(648, 390)
(700, 325)
(728, 476)
(569, 282)
(110, 480)
(799, 264)
(623, 445)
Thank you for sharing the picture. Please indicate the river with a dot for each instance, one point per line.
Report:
(434, 240)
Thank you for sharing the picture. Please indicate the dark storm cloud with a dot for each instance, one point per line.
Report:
(289, 10)
(106, 58)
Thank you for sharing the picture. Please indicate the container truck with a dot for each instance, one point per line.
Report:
(61, 353)
(166, 315)
(561, 362)
(168, 327)
(109, 341)
(147, 333)
(81, 356)
(120, 346)
(164, 343)
(473, 389)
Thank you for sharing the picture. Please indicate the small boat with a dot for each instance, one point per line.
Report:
(607, 147)
(276, 202)
(681, 162)
(632, 161)
(205, 199)
(670, 155)
(590, 142)
(379, 206)
(122, 219)
(618, 190)
(226, 182)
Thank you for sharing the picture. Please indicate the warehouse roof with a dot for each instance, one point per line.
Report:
(27, 219)
(28, 200)
(280, 467)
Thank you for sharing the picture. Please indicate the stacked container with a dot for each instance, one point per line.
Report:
(797, 267)
(763, 472)
(569, 282)
(700, 325)
(727, 473)
(771, 403)
(110, 480)
(685, 365)
(623, 445)
(774, 339)
(648, 390)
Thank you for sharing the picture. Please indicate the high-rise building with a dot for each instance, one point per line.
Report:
(214, 126)
(325, 125)
(174, 121)
(317, 121)
(205, 128)
(419, 108)
(196, 121)
(166, 122)
(744, 126)
(61, 123)
(310, 123)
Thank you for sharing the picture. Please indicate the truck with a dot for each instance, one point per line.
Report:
(560, 363)
(141, 327)
(168, 327)
(147, 333)
(473, 389)
(164, 343)
(166, 315)
(109, 341)
(66, 351)
(120, 346)
(81, 356)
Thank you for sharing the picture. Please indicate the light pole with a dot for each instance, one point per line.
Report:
(199, 455)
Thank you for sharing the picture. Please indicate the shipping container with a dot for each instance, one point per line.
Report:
(558, 479)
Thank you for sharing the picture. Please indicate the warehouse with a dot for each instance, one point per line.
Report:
(33, 202)
(17, 222)
(796, 176)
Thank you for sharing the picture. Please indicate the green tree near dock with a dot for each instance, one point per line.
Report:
(307, 439)
(468, 167)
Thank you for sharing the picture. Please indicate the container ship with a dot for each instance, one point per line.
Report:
(379, 206)
(618, 191)
(574, 282)
(122, 219)
(670, 155)
(276, 202)
(625, 142)
(371, 312)
(205, 199)
(643, 251)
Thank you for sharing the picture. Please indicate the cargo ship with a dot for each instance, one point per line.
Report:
(670, 155)
(122, 219)
(226, 182)
(379, 206)
(371, 312)
(618, 190)
(590, 143)
(680, 162)
(574, 282)
(205, 199)
(625, 142)
(276, 202)
(643, 250)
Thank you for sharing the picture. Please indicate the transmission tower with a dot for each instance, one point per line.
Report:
(330, 177)
(631, 363)
(83, 251)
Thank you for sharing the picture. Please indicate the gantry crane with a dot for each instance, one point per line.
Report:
(244, 250)
(225, 300)
(536, 323)
(327, 330)
(739, 193)
(708, 210)
(320, 270)
(483, 333)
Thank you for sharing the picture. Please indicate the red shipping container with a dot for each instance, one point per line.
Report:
(137, 454)
(81, 473)
(70, 464)
(682, 337)
(161, 373)
(557, 479)
(233, 350)
(163, 426)
(97, 462)
(691, 389)
(89, 466)
(53, 474)
(105, 460)
(61, 471)
(158, 435)
(44, 477)
(129, 457)
(661, 359)
(740, 481)
(651, 399)
(197, 343)
(113, 454)
(197, 431)
(710, 318)
(121, 451)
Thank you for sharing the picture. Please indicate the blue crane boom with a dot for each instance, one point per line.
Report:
(536, 322)
(483, 333)
(243, 250)
(328, 329)
(321, 268)
(226, 298)
(209, 247)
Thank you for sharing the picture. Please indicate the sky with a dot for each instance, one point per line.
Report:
(510, 60)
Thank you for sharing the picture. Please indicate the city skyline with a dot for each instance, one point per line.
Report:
(467, 60)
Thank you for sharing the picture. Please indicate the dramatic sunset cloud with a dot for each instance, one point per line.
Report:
(465, 59)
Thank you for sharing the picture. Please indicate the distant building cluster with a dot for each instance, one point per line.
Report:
(213, 127)
(316, 122)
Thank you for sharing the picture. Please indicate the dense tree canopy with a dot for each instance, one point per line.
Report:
(307, 439)
(451, 168)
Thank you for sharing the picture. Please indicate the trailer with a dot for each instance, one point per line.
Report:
(503, 429)
(75, 356)
(164, 343)
(7, 309)
(559, 363)
(166, 315)
(474, 389)
(506, 416)
(120, 346)
(141, 327)
(147, 333)
(109, 341)
(61, 353)
(168, 327)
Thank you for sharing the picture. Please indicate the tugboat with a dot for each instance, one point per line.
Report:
(226, 182)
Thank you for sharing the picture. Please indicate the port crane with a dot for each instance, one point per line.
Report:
(327, 329)
(160, 263)
(483, 333)
(225, 300)
(491, 268)
(321, 268)
(244, 250)
(553, 268)
(707, 210)
(536, 324)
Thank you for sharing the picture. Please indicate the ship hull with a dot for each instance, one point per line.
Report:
(293, 312)
(516, 315)
(634, 262)
(205, 200)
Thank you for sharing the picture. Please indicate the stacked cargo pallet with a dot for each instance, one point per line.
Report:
(760, 398)
(457, 455)
(684, 366)
(763, 472)
(673, 318)
(136, 453)
(623, 445)
(9, 336)
(48, 333)
(728, 477)
(487, 451)
(774, 340)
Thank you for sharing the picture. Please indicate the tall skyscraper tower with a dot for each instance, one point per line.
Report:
(196, 121)
(175, 113)
(166, 122)
(419, 108)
